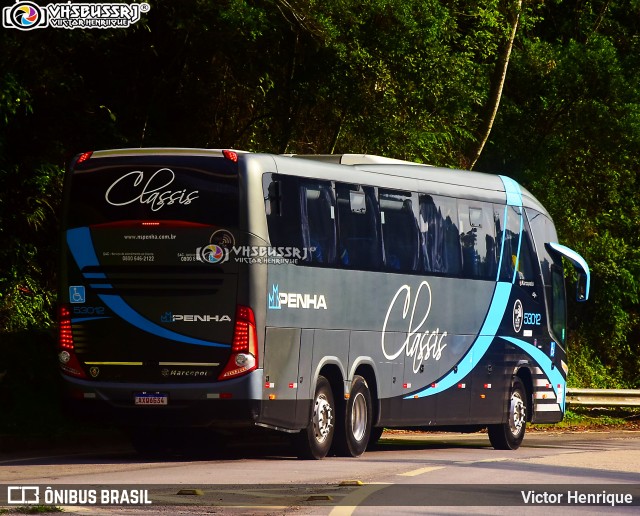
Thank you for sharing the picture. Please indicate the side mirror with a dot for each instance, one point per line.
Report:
(582, 288)
(584, 275)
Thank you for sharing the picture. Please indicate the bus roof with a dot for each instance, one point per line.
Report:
(438, 180)
(159, 151)
(358, 168)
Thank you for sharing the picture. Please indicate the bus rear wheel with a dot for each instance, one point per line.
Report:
(354, 431)
(315, 441)
(374, 437)
(509, 435)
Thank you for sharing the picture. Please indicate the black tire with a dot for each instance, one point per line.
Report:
(376, 433)
(354, 428)
(509, 435)
(315, 441)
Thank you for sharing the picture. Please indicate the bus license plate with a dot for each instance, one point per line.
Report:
(146, 398)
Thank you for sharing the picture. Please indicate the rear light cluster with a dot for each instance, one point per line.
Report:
(244, 350)
(69, 362)
(83, 157)
(230, 155)
(65, 336)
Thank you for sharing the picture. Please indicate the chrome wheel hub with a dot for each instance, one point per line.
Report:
(517, 414)
(322, 418)
(359, 417)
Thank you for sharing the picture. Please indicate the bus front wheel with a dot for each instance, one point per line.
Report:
(354, 429)
(509, 435)
(315, 441)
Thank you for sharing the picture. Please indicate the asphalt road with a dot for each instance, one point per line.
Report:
(409, 474)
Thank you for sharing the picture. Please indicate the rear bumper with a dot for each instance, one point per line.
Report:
(232, 403)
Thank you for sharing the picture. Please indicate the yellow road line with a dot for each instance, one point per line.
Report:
(497, 459)
(351, 502)
(420, 471)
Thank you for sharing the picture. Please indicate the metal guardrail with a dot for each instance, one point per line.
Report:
(603, 397)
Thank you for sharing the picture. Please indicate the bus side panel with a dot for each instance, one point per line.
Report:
(453, 404)
(489, 386)
(420, 411)
(281, 357)
(306, 385)
(331, 352)
(363, 356)
(390, 381)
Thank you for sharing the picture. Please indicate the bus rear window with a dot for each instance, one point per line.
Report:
(194, 189)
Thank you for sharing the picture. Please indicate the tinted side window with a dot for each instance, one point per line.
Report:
(543, 231)
(558, 304)
(478, 239)
(518, 262)
(317, 215)
(359, 229)
(441, 251)
(400, 231)
(509, 239)
(282, 206)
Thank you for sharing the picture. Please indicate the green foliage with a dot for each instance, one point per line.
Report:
(586, 370)
(571, 417)
(13, 98)
(589, 418)
(404, 78)
(570, 130)
(28, 254)
(37, 509)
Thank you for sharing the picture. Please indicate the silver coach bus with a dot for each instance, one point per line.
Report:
(326, 297)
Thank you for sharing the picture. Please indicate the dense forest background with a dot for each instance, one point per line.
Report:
(410, 79)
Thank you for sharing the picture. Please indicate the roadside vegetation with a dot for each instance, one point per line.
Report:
(599, 419)
(545, 92)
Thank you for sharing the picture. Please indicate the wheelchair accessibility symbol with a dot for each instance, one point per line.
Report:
(77, 294)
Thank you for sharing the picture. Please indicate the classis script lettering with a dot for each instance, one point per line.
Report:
(420, 344)
(154, 192)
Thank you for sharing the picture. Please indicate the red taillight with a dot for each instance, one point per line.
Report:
(230, 155)
(244, 331)
(65, 336)
(67, 358)
(244, 349)
(84, 157)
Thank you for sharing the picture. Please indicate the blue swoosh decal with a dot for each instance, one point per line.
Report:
(121, 308)
(544, 362)
(496, 311)
(81, 246)
(512, 191)
(479, 347)
(84, 319)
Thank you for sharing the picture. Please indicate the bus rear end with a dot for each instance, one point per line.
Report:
(153, 329)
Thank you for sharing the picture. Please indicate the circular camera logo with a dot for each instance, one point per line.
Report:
(220, 244)
(213, 254)
(223, 238)
(26, 16)
(518, 316)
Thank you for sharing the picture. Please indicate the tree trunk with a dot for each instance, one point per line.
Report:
(497, 84)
